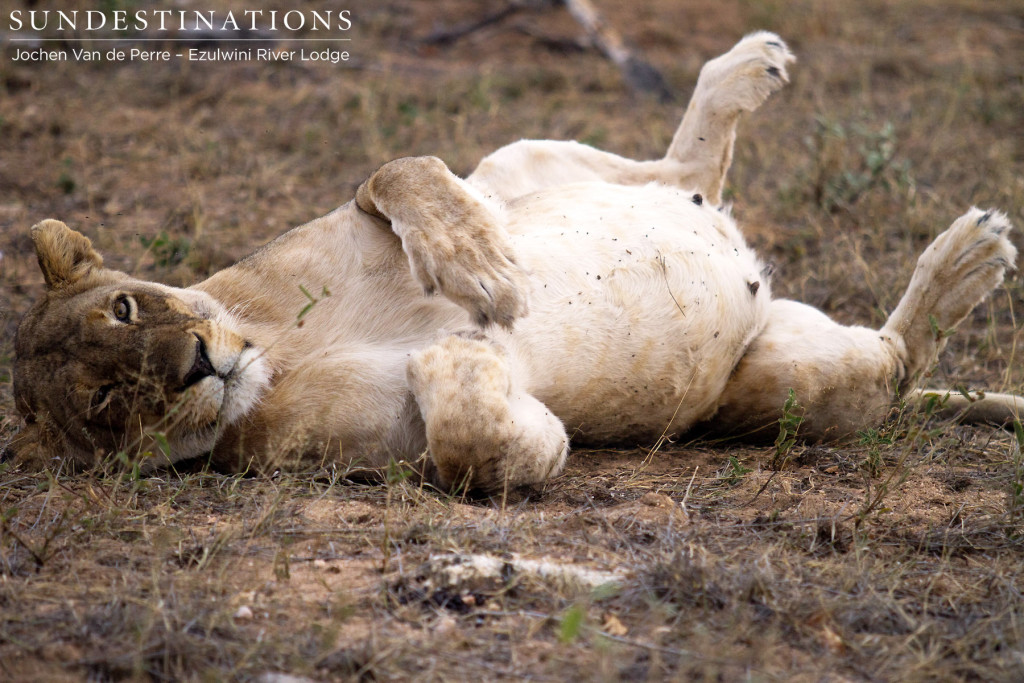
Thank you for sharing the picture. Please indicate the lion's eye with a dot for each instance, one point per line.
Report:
(123, 309)
(100, 397)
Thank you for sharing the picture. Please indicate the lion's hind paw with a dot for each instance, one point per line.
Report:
(745, 76)
(957, 270)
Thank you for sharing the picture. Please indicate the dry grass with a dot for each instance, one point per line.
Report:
(894, 556)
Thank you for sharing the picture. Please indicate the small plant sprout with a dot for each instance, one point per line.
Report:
(938, 332)
(874, 439)
(313, 301)
(789, 424)
(734, 471)
(572, 624)
(167, 251)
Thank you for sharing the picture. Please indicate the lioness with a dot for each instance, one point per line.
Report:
(580, 291)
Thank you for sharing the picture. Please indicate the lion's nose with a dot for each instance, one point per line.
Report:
(201, 366)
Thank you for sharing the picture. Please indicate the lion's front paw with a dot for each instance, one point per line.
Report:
(473, 265)
(744, 77)
(483, 430)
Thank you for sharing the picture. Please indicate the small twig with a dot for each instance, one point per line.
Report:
(761, 490)
(686, 496)
(664, 272)
(6, 529)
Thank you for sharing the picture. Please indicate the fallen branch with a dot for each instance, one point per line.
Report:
(555, 43)
(640, 75)
(446, 37)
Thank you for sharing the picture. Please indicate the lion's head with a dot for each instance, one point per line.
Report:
(108, 364)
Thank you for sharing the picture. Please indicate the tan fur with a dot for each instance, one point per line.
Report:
(578, 293)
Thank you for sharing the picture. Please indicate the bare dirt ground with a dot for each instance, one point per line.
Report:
(895, 556)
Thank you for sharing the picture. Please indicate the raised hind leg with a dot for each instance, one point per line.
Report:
(846, 378)
(701, 151)
(483, 430)
(952, 276)
(728, 86)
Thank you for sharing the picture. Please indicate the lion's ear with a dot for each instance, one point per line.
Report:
(65, 256)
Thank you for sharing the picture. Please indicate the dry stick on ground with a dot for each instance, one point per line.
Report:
(444, 37)
(639, 75)
(555, 43)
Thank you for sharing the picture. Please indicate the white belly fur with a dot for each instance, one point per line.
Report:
(642, 303)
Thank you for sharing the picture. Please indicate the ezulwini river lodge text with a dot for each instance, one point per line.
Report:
(192, 54)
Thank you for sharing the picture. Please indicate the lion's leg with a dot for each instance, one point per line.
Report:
(842, 378)
(483, 430)
(454, 242)
(985, 407)
(846, 378)
(959, 269)
(737, 82)
(701, 151)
